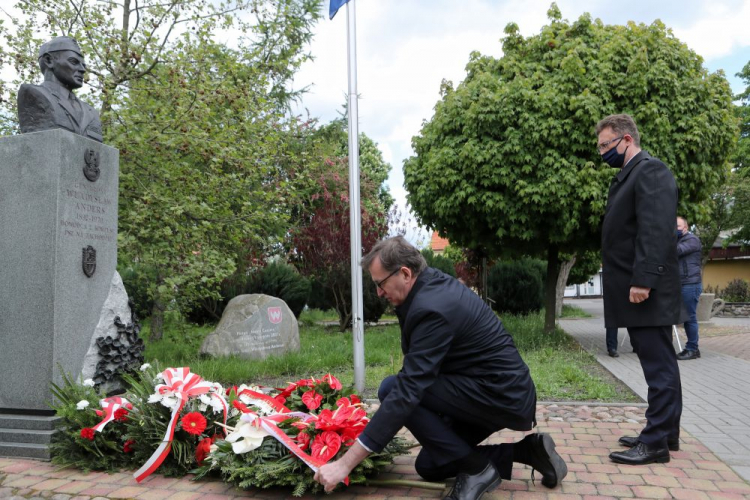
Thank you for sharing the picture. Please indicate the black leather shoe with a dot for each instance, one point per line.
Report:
(630, 441)
(686, 355)
(613, 354)
(641, 454)
(544, 458)
(473, 487)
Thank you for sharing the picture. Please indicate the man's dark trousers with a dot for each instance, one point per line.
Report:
(653, 345)
(448, 433)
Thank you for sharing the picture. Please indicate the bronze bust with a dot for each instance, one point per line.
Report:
(52, 104)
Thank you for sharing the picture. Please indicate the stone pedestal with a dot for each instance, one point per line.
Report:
(58, 254)
(708, 306)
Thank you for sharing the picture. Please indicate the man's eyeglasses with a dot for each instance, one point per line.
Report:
(379, 284)
(603, 146)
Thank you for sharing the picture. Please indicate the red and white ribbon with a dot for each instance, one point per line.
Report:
(183, 385)
(110, 406)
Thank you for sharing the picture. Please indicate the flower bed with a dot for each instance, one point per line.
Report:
(175, 422)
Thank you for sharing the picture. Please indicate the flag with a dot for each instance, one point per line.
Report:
(335, 6)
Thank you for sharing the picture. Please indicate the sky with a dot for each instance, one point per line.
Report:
(405, 48)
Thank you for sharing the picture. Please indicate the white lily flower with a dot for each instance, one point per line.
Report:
(246, 437)
(82, 404)
(145, 366)
(202, 407)
(154, 398)
(88, 383)
(205, 399)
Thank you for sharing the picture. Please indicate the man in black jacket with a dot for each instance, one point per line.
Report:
(641, 281)
(462, 379)
(689, 258)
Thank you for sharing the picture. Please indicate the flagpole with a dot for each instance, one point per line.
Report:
(355, 215)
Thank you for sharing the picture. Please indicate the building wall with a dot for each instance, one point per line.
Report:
(720, 272)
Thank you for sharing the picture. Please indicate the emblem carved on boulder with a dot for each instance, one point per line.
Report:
(91, 168)
(89, 261)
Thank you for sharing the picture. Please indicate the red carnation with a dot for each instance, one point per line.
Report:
(99, 413)
(121, 415)
(203, 449)
(312, 399)
(128, 446)
(194, 423)
(88, 433)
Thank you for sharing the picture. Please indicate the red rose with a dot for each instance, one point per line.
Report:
(194, 423)
(128, 446)
(312, 399)
(88, 433)
(203, 449)
(121, 415)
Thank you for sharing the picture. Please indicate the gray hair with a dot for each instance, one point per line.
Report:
(394, 254)
(620, 125)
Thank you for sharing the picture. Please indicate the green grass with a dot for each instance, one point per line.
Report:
(569, 311)
(561, 370)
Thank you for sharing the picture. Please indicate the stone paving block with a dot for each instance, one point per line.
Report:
(663, 481)
(185, 495)
(651, 492)
(74, 487)
(215, 487)
(21, 481)
(683, 494)
(698, 484)
(734, 487)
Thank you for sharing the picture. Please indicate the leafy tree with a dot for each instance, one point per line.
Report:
(508, 163)
(322, 243)
(438, 261)
(205, 148)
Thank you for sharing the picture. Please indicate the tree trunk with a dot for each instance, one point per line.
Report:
(562, 280)
(550, 285)
(157, 320)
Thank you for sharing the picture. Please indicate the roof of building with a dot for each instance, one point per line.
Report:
(438, 243)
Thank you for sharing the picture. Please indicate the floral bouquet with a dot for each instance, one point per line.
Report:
(175, 422)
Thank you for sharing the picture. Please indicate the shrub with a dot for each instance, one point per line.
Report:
(439, 262)
(737, 290)
(374, 307)
(276, 279)
(136, 279)
(516, 287)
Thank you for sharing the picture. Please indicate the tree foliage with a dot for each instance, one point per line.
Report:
(208, 169)
(322, 242)
(508, 163)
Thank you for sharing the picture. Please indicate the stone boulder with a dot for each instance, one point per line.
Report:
(253, 326)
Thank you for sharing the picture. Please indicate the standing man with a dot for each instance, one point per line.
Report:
(642, 283)
(462, 379)
(689, 255)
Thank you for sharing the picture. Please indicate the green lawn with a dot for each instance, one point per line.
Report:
(561, 370)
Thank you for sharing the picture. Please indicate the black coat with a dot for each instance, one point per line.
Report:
(447, 331)
(639, 245)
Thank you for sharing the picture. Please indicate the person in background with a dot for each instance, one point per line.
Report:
(689, 258)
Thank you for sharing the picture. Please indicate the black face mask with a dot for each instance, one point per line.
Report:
(613, 158)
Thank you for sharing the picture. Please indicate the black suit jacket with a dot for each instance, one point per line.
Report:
(448, 332)
(639, 245)
(46, 106)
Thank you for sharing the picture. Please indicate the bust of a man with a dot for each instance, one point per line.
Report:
(52, 104)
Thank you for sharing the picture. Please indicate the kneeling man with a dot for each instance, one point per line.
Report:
(462, 380)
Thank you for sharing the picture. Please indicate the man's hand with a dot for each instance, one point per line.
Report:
(332, 474)
(638, 294)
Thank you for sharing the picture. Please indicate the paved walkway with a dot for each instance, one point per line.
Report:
(716, 402)
(716, 435)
